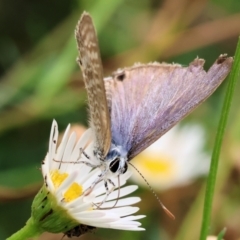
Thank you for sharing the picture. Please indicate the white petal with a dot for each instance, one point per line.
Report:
(132, 218)
(122, 211)
(117, 226)
(57, 156)
(69, 147)
(49, 182)
(45, 165)
(124, 227)
(91, 214)
(83, 172)
(98, 220)
(90, 178)
(120, 202)
(66, 165)
(53, 143)
(127, 223)
(82, 142)
(79, 208)
(123, 192)
(63, 143)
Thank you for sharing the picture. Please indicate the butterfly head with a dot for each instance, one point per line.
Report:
(117, 160)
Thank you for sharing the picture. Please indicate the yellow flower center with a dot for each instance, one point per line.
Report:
(58, 178)
(74, 191)
(155, 164)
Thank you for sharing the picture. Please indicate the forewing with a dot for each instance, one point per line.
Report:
(147, 100)
(90, 63)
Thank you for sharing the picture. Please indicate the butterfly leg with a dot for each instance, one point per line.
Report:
(84, 162)
(113, 186)
(98, 179)
(79, 157)
(89, 164)
(81, 151)
(108, 192)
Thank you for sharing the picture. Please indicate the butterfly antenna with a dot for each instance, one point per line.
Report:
(156, 196)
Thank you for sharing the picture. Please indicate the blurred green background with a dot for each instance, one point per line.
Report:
(40, 80)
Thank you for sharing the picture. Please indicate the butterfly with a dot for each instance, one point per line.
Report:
(135, 106)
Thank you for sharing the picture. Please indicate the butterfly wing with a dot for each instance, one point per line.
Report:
(145, 101)
(91, 66)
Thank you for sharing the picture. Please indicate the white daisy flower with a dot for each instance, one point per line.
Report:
(211, 238)
(61, 205)
(175, 159)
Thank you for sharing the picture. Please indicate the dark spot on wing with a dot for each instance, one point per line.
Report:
(121, 76)
(79, 61)
(222, 58)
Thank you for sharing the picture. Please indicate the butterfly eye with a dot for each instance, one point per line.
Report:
(114, 165)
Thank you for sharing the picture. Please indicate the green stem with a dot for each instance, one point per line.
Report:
(217, 146)
(30, 230)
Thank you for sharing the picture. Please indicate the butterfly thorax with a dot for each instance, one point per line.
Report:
(116, 159)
